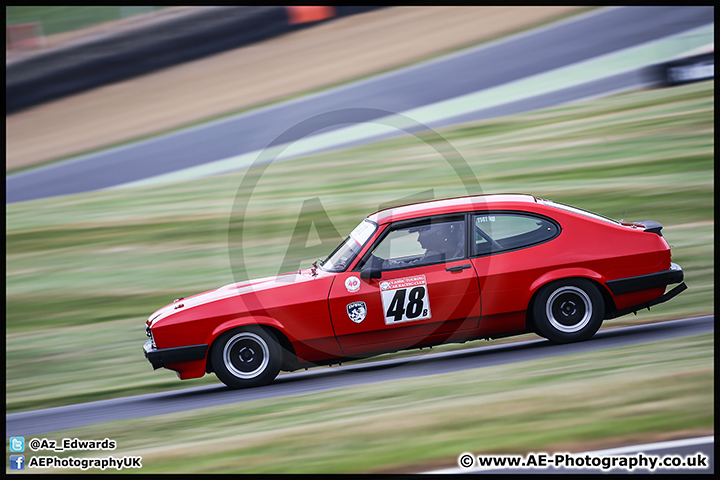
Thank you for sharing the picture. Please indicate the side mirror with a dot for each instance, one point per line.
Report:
(369, 272)
(372, 269)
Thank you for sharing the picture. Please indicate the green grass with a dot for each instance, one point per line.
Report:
(571, 403)
(83, 272)
(54, 20)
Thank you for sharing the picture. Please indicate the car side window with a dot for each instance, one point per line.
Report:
(420, 244)
(497, 232)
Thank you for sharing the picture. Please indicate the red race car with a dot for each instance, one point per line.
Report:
(436, 272)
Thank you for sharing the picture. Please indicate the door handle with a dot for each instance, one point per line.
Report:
(458, 268)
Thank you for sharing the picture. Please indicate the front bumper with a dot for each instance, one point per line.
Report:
(159, 357)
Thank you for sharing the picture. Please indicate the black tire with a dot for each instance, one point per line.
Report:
(568, 310)
(246, 357)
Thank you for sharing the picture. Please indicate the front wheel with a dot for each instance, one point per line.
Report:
(568, 310)
(246, 357)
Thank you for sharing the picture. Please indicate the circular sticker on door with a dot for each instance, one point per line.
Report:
(352, 284)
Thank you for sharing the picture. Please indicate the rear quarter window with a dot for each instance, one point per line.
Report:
(498, 232)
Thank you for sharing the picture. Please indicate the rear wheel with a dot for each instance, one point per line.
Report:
(569, 310)
(246, 357)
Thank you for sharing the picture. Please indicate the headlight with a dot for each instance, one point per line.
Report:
(148, 332)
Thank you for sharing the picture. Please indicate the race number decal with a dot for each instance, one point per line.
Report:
(405, 299)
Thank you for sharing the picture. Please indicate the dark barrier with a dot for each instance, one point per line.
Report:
(686, 70)
(50, 75)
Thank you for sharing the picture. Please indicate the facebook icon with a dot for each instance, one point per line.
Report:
(17, 462)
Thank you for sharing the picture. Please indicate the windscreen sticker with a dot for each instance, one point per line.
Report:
(405, 299)
(362, 232)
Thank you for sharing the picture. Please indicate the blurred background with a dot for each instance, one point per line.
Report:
(32, 28)
(130, 132)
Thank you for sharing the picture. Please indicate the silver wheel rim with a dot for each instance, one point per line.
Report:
(246, 355)
(569, 309)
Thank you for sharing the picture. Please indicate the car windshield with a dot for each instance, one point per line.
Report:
(346, 252)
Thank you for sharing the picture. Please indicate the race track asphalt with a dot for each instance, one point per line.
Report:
(322, 379)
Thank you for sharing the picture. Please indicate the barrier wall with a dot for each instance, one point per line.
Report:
(53, 74)
(696, 68)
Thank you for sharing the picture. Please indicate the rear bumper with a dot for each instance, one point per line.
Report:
(159, 357)
(672, 293)
(644, 282)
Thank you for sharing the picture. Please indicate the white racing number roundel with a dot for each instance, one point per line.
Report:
(405, 299)
(352, 284)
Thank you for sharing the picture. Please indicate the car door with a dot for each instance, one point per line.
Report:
(424, 289)
(510, 250)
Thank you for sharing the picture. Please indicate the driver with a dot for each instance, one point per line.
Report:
(441, 242)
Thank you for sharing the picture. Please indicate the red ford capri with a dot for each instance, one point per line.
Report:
(442, 271)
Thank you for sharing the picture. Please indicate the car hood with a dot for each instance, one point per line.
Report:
(232, 290)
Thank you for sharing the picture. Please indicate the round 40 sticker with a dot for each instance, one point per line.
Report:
(405, 299)
(352, 284)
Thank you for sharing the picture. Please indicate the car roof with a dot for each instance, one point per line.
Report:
(452, 205)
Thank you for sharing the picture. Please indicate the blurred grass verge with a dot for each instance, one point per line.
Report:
(83, 272)
(55, 19)
(573, 403)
